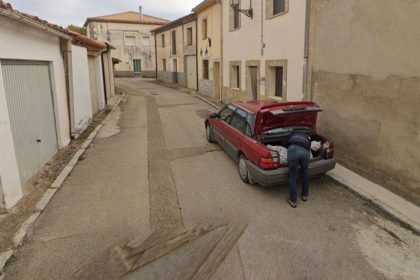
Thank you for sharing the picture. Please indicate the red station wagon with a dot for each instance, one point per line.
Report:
(245, 129)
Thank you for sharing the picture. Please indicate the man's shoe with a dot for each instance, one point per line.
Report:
(304, 198)
(291, 203)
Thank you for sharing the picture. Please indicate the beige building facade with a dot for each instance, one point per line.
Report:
(264, 56)
(209, 47)
(368, 81)
(130, 34)
(176, 52)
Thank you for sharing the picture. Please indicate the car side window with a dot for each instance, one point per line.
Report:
(226, 113)
(238, 122)
(250, 119)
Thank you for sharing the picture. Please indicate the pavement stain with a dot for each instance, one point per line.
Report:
(389, 248)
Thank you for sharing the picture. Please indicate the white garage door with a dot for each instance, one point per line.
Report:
(31, 112)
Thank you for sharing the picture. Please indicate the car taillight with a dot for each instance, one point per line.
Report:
(328, 149)
(270, 162)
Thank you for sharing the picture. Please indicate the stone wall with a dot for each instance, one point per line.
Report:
(124, 74)
(367, 80)
(182, 80)
(148, 74)
(205, 87)
(167, 78)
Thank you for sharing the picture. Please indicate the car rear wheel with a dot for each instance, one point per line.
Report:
(209, 134)
(243, 169)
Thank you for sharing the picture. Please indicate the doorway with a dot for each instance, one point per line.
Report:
(252, 81)
(175, 71)
(137, 67)
(216, 79)
(191, 72)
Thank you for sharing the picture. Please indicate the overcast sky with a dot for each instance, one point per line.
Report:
(65, 12)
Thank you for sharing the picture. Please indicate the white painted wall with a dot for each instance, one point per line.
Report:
(81, 89)
(19, 41)
(283, 36)
(99, 83)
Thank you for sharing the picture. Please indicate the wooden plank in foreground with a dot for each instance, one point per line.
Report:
(175, 255)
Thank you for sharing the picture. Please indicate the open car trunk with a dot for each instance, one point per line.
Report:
(278, 143)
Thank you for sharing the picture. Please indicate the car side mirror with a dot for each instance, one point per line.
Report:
(214, 115)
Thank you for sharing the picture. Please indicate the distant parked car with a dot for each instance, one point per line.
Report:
(245, 129)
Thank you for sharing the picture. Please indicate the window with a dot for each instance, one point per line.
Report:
(279, 82)
(235, 78)
(205, 35)
(279, 6)
(164, 65)
(250, 119)
(189, 36)
(234, 17)
(205, 69)
(226, 113)
(276, 7)
(163, 40)
(174, 42)
(276, 79)
(146, 41)
(238, 122)
(130, 41)
(137, 65)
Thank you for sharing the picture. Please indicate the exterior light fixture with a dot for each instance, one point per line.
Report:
(235, 5)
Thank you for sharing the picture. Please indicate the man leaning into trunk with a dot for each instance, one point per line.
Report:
(298, 153)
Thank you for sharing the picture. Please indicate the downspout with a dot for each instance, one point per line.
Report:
(221, 86)
(66, 51)
(306, 74)
(103, 72)
(196, 50)
(156, 57)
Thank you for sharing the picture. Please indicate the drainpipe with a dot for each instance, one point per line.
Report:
(156, 57)
(306, 94)
(196, 50)
(65, 47)
(103, 72)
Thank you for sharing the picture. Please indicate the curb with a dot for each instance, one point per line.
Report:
(395, 206)
(408, 222)
(48, 195)
(205, 100)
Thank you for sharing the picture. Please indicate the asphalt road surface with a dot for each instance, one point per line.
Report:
(152, 168)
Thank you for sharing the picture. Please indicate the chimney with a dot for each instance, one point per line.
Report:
(141, 13)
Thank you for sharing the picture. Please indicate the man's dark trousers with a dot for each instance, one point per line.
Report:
(297, 155)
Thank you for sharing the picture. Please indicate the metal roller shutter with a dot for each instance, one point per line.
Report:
(31, 111)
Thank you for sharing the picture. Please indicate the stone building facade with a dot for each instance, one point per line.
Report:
(209, 47)
(130, 34)
(176, 52)
(264, 55)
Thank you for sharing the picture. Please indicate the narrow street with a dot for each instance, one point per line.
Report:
(151, 168)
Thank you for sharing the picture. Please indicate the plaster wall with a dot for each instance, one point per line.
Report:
(278, 38)
(206, 50)
(81, 89)
(116, 34)
(368, 81)
(100, 91)
(21, 42)
(166, 53)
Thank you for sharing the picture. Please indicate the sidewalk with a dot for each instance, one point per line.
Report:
(399, 208)
(104, 200)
